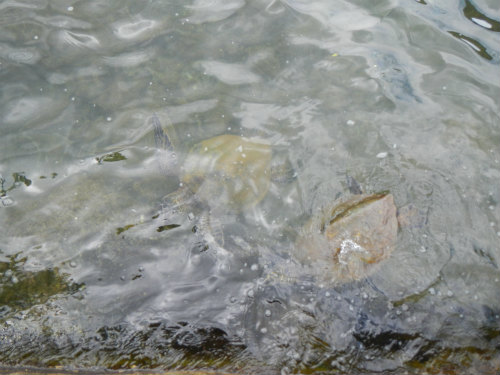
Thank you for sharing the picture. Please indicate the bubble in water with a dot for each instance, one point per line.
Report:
(254, 267)
(72, 264)
(267, 313)
(250, 293)
(6, 201)
(432, 291)
(263, 330)
(382, 155)
(449, 293)
(350, 122)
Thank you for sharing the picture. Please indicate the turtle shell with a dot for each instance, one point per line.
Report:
(228, 171)
(350, 237)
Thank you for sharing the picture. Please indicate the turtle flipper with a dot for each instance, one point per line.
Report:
(353, 185)
(167, 159)
(161, 138)
(210, 231)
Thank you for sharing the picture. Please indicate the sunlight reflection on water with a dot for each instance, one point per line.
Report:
(402, 96)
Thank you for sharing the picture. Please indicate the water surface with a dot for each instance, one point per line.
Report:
(400, 95)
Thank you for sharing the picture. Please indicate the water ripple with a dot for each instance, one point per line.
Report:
(213, 10)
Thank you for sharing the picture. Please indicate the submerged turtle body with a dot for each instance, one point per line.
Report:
(225, 173)
(350, 237)
(228, 171)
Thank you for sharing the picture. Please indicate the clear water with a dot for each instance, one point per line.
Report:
(401, 95)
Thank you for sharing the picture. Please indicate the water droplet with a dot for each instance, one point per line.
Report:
(141, 269)
(70, 9)
(254, 267)
(449, 293)
(350, 122)
(72, 264)
(250, 293)
(122, 278)
(267, 313)
(263, 330)
(327, 294)
(108, 119)
(432, 291)
(382, 155)
(14, 280)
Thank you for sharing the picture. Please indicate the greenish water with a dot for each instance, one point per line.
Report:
(401, 95)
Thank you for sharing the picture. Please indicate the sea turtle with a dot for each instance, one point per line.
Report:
(225, 173)
(347, 240)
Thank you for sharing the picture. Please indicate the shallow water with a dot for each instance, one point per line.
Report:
(401, 95)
